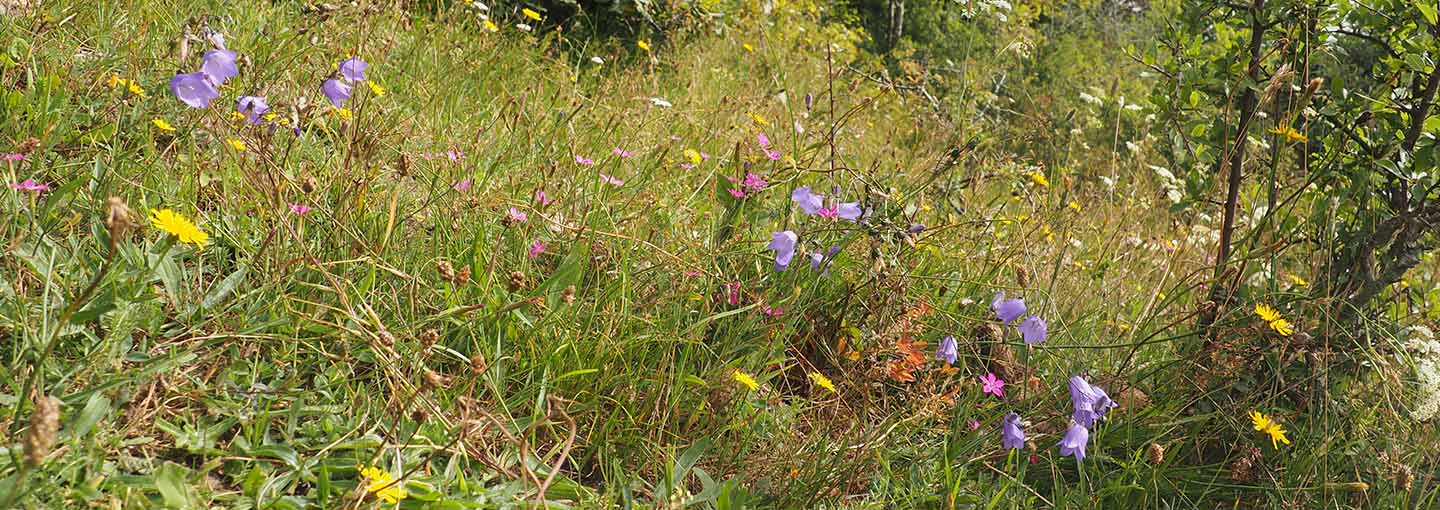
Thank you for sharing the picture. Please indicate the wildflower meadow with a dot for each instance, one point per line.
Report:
(725, 254)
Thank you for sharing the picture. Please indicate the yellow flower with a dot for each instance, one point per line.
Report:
(1298, 281)
(1282, 327)
(382, 485)
(375, 88)
(1075, 206)
(824, 382)
(113, 80)
(694, 156)
(530, 14)
(179, 226)
(759, 120)
(1266, 313)
(1039, 179)
(135, 89)
(1270, 427)
(643, 44)
(491, 26)
(270, 117)
(1290, 134)
(238, 145)
(745, 380)
(162, 124)
(748, 47)
(237, 116)
(344, 113)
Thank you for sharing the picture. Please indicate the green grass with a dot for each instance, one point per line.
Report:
(260, 371)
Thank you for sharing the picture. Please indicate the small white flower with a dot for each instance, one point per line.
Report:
(524, 27)
(598, 61)
(660, 102)
(478, 5)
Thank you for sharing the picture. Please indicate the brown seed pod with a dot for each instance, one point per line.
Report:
(44, 424)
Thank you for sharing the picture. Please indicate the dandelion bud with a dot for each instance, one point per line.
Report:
(44, 424)
(118, 218)
(478, 364)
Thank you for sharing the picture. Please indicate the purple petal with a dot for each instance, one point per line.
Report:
(784, 245)
(219, 65)
(253, 107)
(808, 202)
(850, 211)
(1074, 441)
(1011, 435)
(1034, 330)
(193, 89)
(353, 69)
(336, 91)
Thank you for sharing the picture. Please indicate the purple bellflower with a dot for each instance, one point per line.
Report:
(1007, 310)
(1074, 441)
(818, 260)
(947, 351)
(1034, 330)
(784, 245)
(809, 202)
(1011, 435)
(253, 107)
(193, 89)
(353, 69)
(336, 91)
(218, 66)
(1090, 402)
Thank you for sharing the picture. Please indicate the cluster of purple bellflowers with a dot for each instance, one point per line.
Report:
(199, 88)
(786, 242)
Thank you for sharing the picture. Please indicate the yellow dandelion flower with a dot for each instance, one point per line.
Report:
(1270, 427)
(1282, 327)
(162, 124)
(269, 117)
(1290, 134)
(237, 116)
(491, 26)
(1298, 281)
(824, 382)
(694, 156)
(135, 89)
(384, 486)
(745, 380)
(530, 14)
(1266, 313)
(1039, 179)
(643, 44)
(113, 80)
(238, 145)
(375, 88)
(1075, 206)
(759, 120)
(344, 113)
(748, 47)
(179, 226)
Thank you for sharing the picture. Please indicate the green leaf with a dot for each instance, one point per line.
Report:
(1427, 9)
(96, 409)
(225, 289)
(687, 461)
(279, 451)
(174, 490)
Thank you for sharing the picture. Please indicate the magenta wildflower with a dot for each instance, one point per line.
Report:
(14, 156)
(993, 385)
(536, 248)
(947, 351)
(611, 180)
(735, 193)
(583, 161)
(353, 69)
(1007, 310)
(624, 154)
(543, 199)
(29, 185)
(336, 91)
(1074, 441)
(193, 89)
(974, 425)
(464, 185)
(753, 182)
(1034, 330)
(784, 245)
(515, 216)
(732, 293)
(1011, 435)
(300, 209)
(686, 166)
(772, 312)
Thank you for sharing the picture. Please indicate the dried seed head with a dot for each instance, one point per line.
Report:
(447, 271)
(118, 218)
(28, 146)
(386, 338)
(420, 415)
(435, 380)
(429, 337)
(1022, 276)
(477, 364)
(516, 281)
(44, 424)
(1404, 477)
(1156, 453)
(568, 295)
(463, 276)
(309, 184)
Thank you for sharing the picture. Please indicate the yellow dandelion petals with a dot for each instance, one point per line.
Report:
(1270, 427)
(748, 47)
(179, 226)
(1283, 327)
(237, 116)
(270, 117)
(1039, 179)
(1075, 206)
(375, 88)
(1298, 281)
(824, 382)
(759, 120)
(344, 113)
(491, 26)
(694, 156)
(1266, 313)
(135, 89)
(745, 380)
(643, 44)
(113, 80)
(238, 145)
(162, 124)
(384, 486)
(530, 14)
